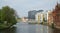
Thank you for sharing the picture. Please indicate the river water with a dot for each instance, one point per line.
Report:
(21, 27)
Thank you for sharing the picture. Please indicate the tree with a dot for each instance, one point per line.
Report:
(0, 15)
(8, 16)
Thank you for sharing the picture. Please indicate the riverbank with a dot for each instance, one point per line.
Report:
(5, 26)
(50, 25)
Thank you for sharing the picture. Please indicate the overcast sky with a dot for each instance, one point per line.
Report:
(23, 6)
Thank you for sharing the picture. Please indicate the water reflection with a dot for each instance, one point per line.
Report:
(30, 28)
(9, 30)
(56, 31)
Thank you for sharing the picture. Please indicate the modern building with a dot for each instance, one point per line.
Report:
(31, 14)
(56, 16)
(45, 15)
(40, 16)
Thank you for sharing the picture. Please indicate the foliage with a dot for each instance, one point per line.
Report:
(7, 16)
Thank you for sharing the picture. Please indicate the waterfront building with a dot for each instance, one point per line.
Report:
(45, 15)
(39, 16)
(56, 16)
(50, 18)
(31, 14)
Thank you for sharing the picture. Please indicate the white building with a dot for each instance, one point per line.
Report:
(39, 16)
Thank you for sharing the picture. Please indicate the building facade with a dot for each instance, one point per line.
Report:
(31, 14)
(56, 16)
(50, 18)
(40, 16)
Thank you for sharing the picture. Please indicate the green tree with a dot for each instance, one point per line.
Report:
(8, 16)
(0, 15)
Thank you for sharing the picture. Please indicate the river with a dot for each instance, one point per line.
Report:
(21, 27)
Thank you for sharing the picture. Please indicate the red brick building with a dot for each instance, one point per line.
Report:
(56, 16)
